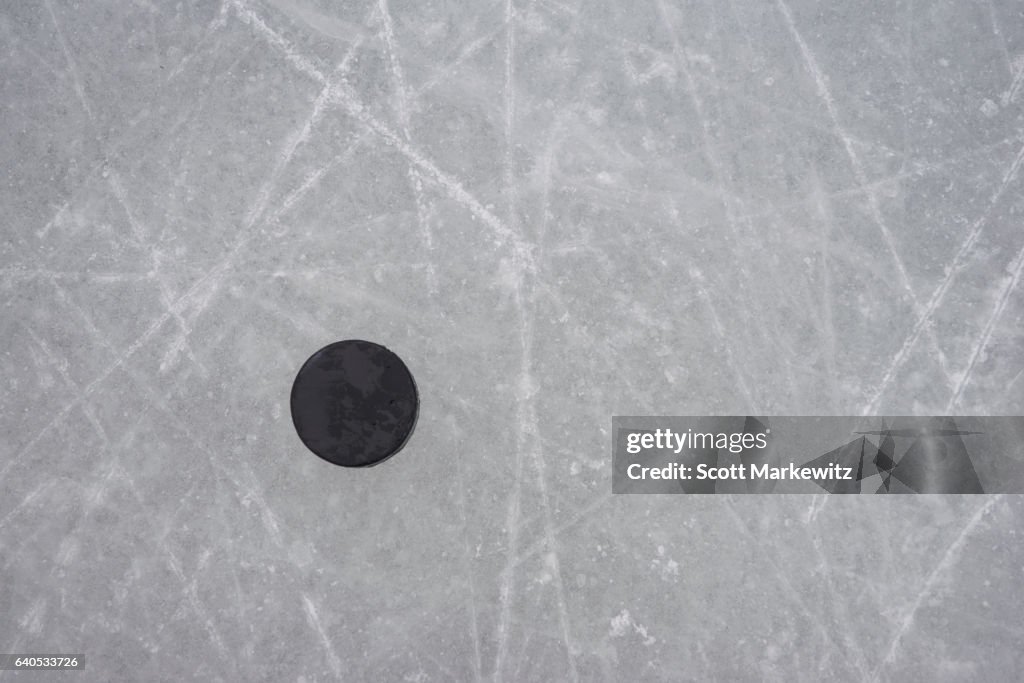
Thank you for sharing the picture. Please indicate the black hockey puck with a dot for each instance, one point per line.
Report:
(354, 403)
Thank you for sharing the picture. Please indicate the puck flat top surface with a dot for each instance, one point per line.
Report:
(354, 403)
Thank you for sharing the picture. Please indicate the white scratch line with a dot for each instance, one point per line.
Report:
(556, 565)
(525, 436)
(196, 604)
(725, 190)
(510, 105)
(698, 279)
(140, 238)
(529, 429)
(72, 67)
(314, 622)
(61, 366)
(474, 628)
(267, 515)
(997, 31)
(295, 140)
(582, 514)
(15, 274)
(795, 595)
(950, 558)
(726, 195)
(512, 524)
(218, 23)
(452, 186)
(215, 278)
(355, 108)
(1018, 79)
(402, 104)
(442, 72)
(959, 261)
(251, 489)
(986, 335)
(42, 232)
(294, 57)
(28, 500)
(526, 423)
(825, 93)
(827, 313)
(312, 179)
(87, 391)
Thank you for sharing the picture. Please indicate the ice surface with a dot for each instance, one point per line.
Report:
(554, 212)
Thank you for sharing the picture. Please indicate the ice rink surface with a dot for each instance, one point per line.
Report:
(554, 212)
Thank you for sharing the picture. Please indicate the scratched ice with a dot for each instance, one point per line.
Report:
(554, 212)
